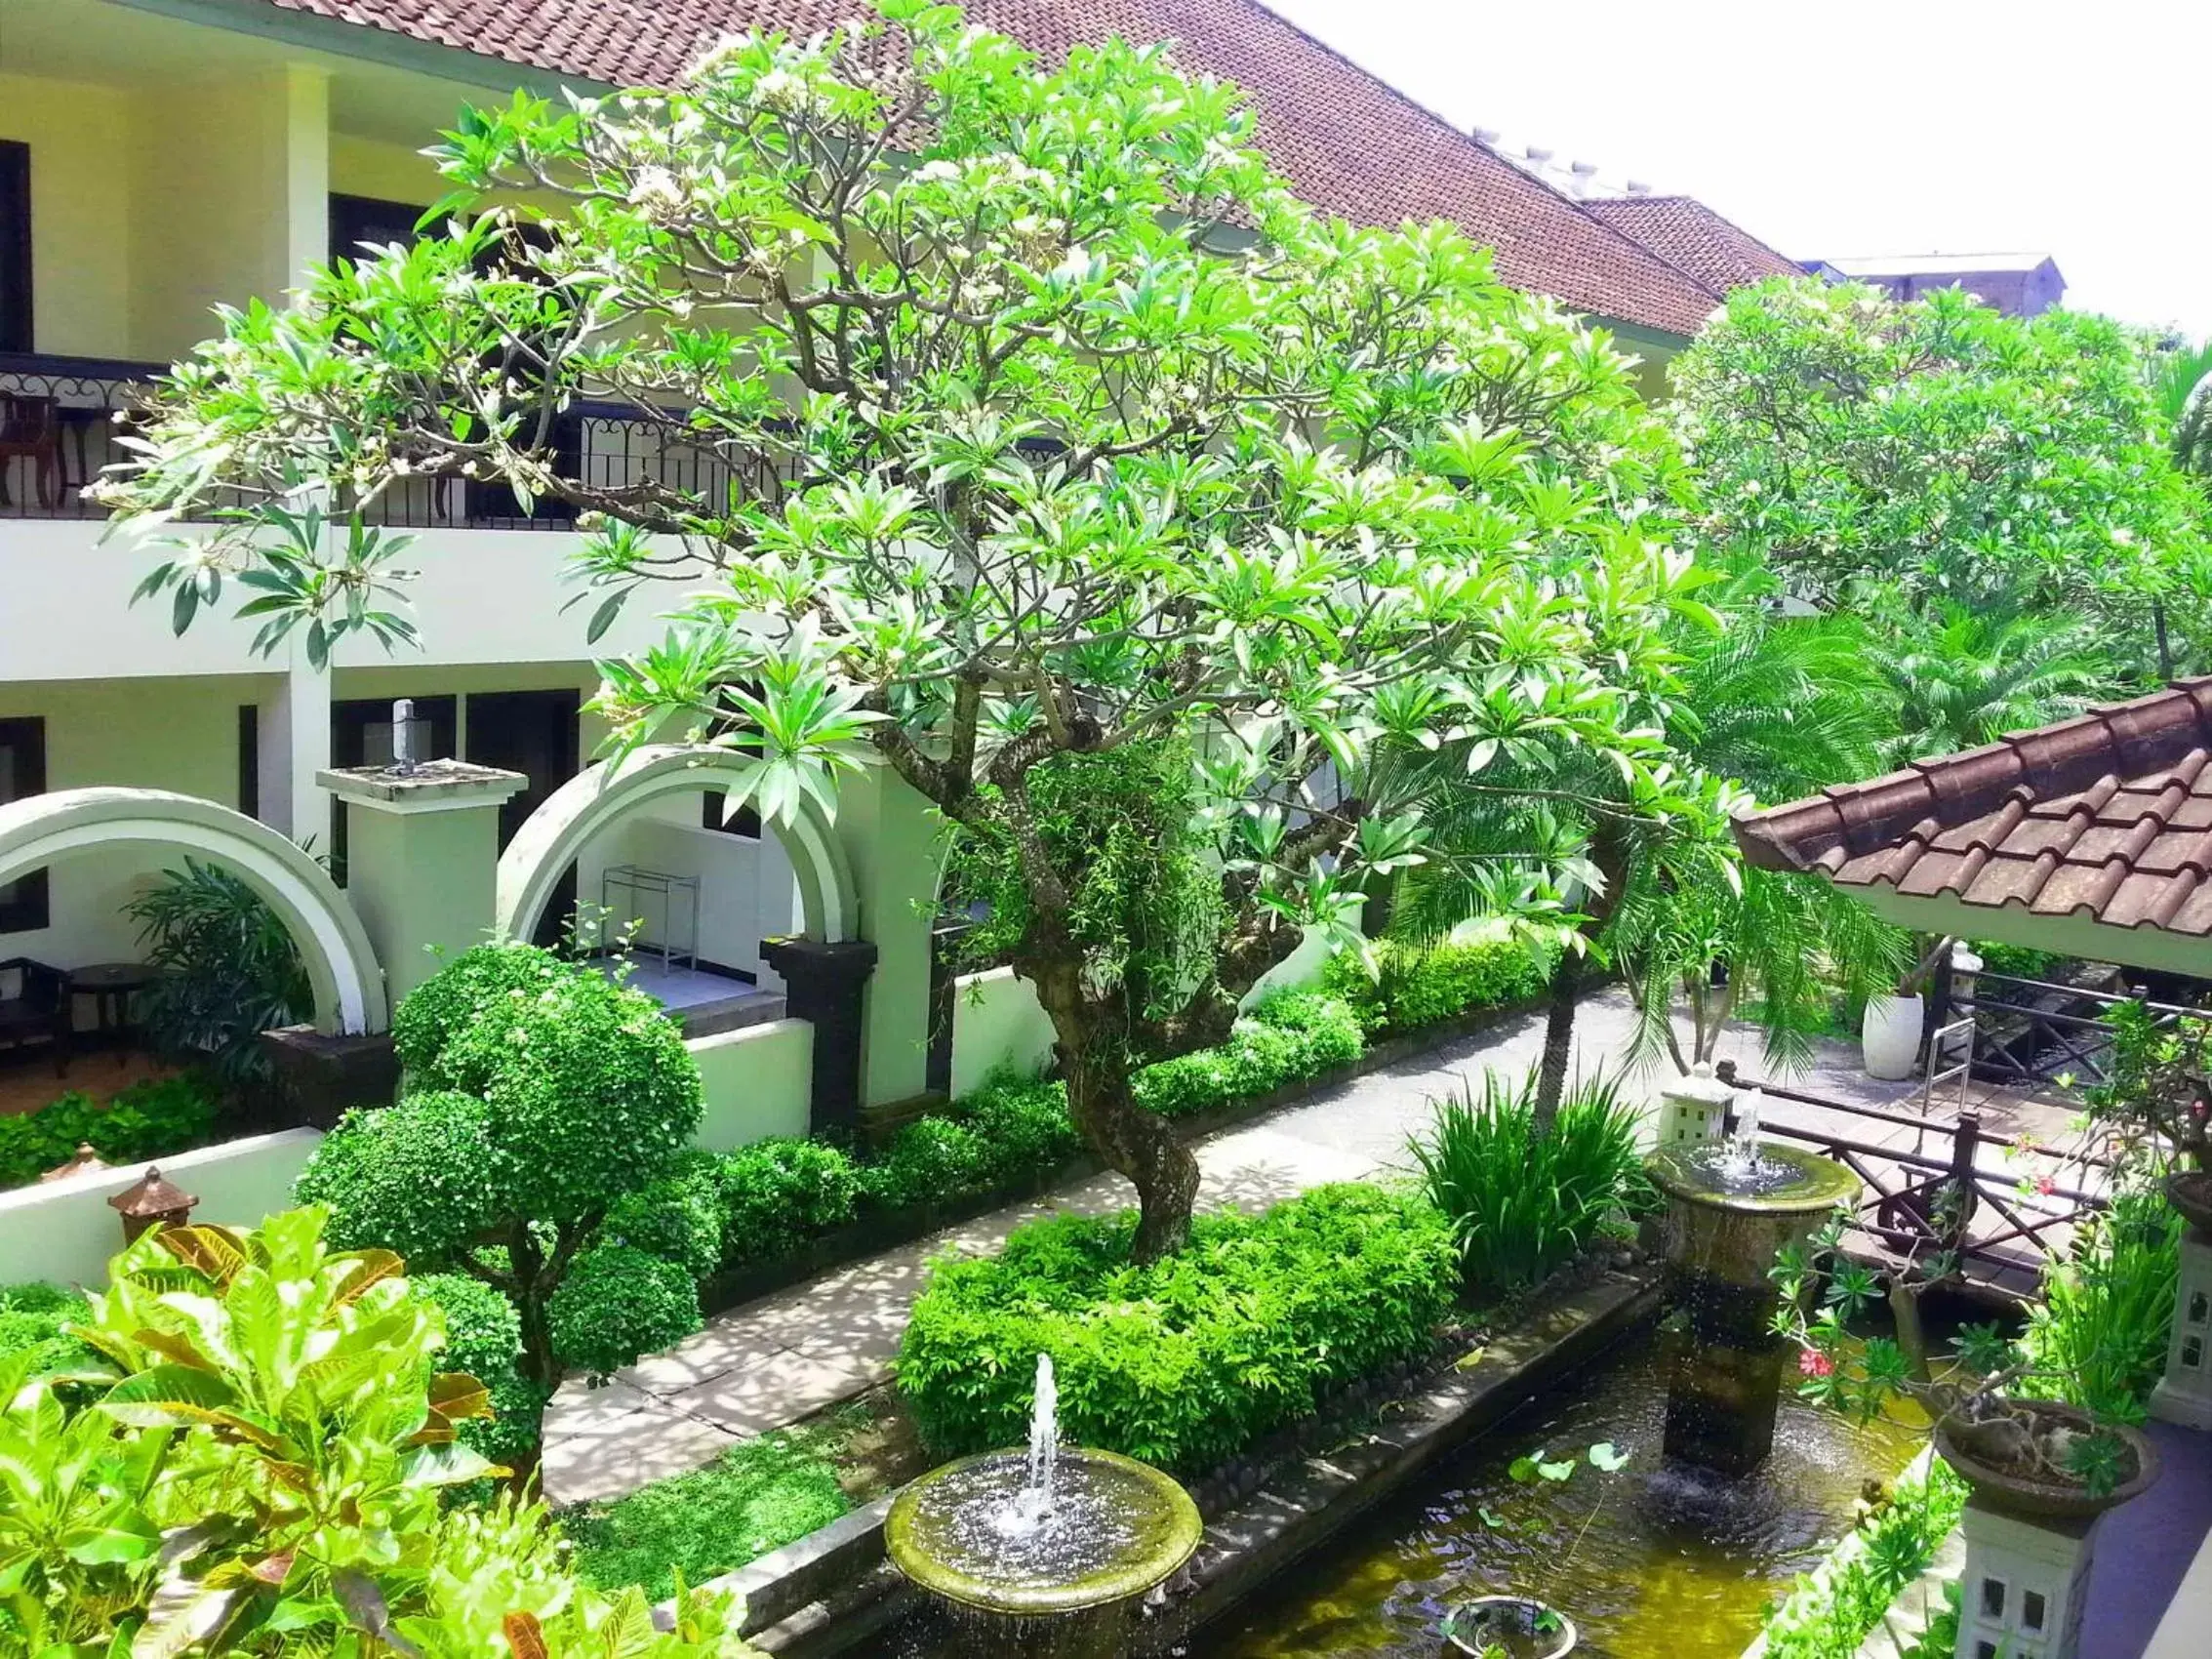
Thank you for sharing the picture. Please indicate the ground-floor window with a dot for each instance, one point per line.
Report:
(22, 772)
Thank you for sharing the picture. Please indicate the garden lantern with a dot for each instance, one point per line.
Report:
(85, 1162)
(150, 1202)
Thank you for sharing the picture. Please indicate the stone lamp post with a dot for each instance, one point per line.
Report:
(150, 1202)
(1693, 1111)
(2184, 1394)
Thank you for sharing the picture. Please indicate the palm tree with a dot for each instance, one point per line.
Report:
(1770, 706)
(1964, 675)
(2181, 384)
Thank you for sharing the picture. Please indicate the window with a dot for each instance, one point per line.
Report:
(2032, 1611)
(250, 760)
(22, 772)
(358, 220)
(2193, 1352)
(2199, 1308)
(1993, 1598)
(15, 247)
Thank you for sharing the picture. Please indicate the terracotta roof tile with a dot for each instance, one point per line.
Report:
(1352, 145)
(1682, 231)
(2108, 814)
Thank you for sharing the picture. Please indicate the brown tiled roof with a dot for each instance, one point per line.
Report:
(2107, 816)
(1682, 231)
(1352, 144)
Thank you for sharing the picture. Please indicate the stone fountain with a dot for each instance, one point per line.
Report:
(1045, 1552)
(1733, 1208)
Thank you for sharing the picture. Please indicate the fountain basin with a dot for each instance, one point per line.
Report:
(1070, 1579)
(1731, 1231)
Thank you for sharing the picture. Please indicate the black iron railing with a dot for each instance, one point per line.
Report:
(61, 420)
(58, 427)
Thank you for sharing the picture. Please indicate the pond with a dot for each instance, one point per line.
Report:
(1651, 1561)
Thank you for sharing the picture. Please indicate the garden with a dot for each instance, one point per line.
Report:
(1226, 580)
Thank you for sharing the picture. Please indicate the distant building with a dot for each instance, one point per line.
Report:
(2021, 284)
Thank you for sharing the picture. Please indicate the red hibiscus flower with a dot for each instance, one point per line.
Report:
(1814, 1364)
(2045, 1185)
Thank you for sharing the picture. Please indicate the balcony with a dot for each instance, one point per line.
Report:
(60, 420)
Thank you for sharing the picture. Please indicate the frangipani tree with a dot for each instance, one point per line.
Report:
(1022, 433)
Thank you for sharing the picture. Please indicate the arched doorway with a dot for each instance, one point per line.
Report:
(342, 965)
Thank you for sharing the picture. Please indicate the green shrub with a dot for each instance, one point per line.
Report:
(1189, 1361)
(758, 1496)
(1024, 1125)
(2100, 1328)
(1521, 1206)
(149, 1119)
(2019, 962)
(31, 1321)
(408, 1178)
(484, 1338)
(1419, 985)
(1827, 1617)
(934, 1159)
(778, 1194)
(228, 971)
(677, 1217)
(615, 1302)
(1289, 1037)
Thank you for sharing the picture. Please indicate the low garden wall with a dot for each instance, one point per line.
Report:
(64, 1232)
(758, 1083)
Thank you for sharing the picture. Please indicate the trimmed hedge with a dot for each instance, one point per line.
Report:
(1289, 1037)
(1419, 985)
(31, 1321)
(153, 1119)
(1189, 1360)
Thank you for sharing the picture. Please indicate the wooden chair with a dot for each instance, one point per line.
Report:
(35, 1007)
(32, 427)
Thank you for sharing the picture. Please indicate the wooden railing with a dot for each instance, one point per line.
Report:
(1923, 1202)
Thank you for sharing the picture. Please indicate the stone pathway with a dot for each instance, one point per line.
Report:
(782, 1359)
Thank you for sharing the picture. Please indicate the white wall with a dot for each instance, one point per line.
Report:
(64, 1231)
(997, 1023)
(759, 1082)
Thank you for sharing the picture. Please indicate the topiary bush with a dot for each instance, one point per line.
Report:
(1419, 985)
(677, 1217)
(1188, 1360)
(484, 1339)
(547, 1099)
(779, 1193)
(617, 1302)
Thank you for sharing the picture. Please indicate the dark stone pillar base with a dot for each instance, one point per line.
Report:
(1724, 1378)
(823, 984)
(321, 1078)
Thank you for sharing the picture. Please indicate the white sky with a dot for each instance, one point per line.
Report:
(1915, 126)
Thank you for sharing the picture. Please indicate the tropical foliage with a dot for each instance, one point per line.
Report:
(228, 971)
(1133, 542)
(251, 1463)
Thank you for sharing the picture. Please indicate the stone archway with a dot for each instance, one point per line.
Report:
(552, 837)
(342, 965)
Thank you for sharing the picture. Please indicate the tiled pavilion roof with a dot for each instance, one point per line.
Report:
(2106, 817)
(1682, 231)
(1352, 145)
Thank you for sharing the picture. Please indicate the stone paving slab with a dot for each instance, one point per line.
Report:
(789, 1355)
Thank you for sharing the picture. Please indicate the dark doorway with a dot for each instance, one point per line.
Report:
(534, 733)
(360, 735)
(360, 223)
(15, 247)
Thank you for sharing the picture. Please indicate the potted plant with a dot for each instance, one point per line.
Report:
(1994, 1414)
(1895, 1023)
(1509, 1627)
(2156, 1099)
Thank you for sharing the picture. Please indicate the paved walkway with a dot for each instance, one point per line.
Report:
(782, 1359)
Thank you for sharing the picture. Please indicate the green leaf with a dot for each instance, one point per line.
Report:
(1607, 1456)
(121, 1533)
(1557, 1470)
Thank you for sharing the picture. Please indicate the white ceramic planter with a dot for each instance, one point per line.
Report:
(1889, 1036)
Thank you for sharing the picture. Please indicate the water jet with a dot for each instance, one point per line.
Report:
(1042, 1552)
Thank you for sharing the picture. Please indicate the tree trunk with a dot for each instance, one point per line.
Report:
(1558, 1039)
(1912, 1333)
(1139, 1144)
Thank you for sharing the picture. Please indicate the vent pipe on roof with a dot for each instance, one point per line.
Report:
(1538, 155)
(1638, 187)
(1487, 137)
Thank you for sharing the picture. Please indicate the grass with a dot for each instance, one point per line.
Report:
(756, 1497)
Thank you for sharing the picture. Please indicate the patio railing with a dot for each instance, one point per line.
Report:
(1943, 1195)
(59, 427)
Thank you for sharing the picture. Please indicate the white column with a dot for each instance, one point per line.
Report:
(294, 744)
(2021, 1594)
(2184, 1394)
